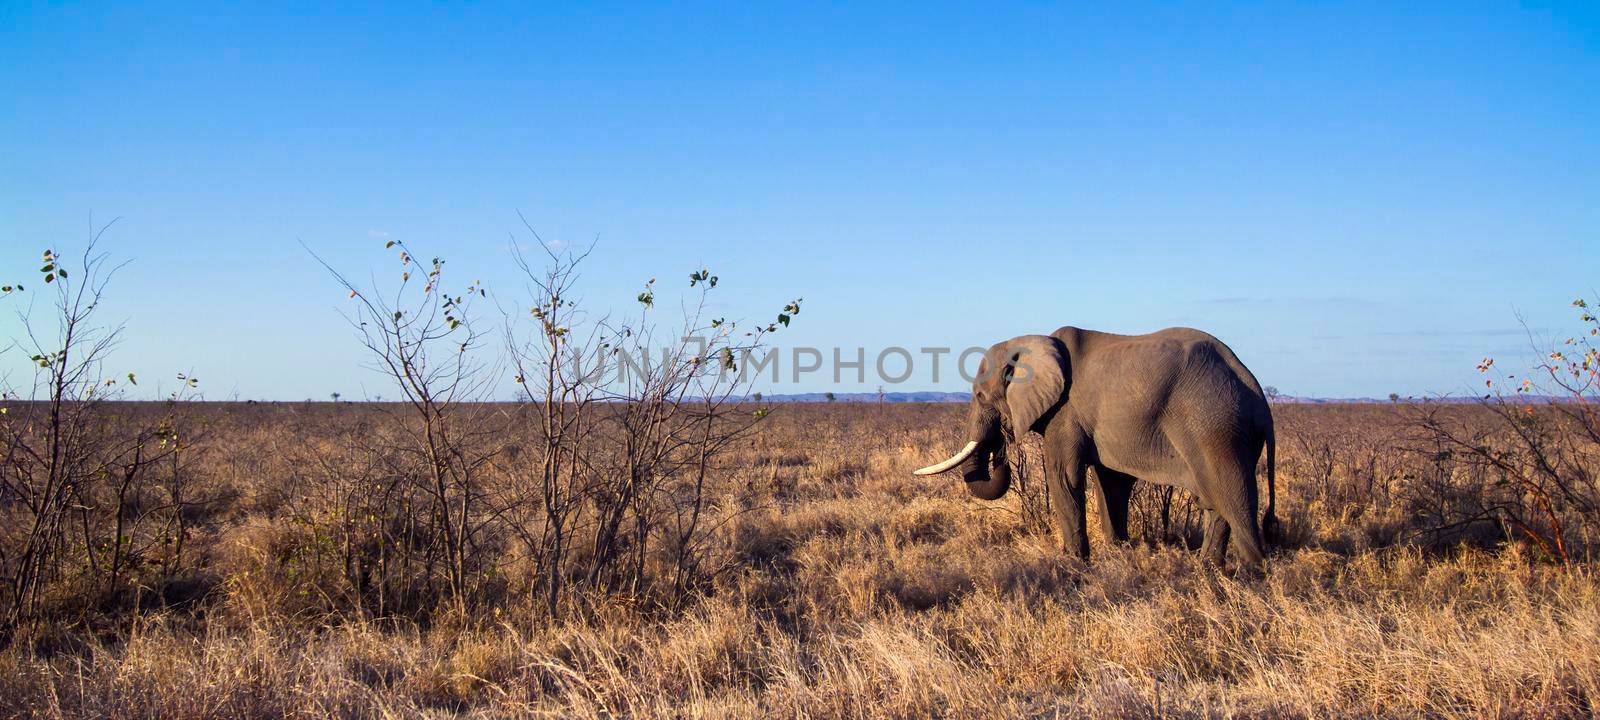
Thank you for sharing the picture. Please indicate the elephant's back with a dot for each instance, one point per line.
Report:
(1181, 369)
(1171, 356)
(1217, 389)
(1189, 349)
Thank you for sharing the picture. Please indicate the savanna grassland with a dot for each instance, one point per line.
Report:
(827, 581)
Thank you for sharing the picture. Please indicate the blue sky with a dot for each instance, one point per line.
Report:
(1359, 198)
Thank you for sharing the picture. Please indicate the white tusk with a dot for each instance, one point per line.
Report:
(965, 453)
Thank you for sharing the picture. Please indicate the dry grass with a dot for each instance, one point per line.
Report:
(853, 589)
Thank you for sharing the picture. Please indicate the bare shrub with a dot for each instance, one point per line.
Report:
(94, 498)
(1533, 469)
(431, 521)
(591, 489)
(630, 418)
(1163, 515)
(1027, 481)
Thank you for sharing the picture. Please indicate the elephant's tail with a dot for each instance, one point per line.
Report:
(1271, 530)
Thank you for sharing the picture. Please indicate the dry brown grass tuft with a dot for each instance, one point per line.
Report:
(854, 590)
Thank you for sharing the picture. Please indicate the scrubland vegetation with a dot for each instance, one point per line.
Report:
(836, 585)
(662, 550)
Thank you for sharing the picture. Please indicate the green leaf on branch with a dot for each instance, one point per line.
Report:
(704, 276)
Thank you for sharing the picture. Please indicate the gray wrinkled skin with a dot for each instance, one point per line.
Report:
(1174, 407)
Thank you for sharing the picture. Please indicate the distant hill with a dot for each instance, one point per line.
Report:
(928, 396)
(1436, 399)
(1299, 400)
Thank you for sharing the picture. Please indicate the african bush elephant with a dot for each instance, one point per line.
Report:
(1174, 407)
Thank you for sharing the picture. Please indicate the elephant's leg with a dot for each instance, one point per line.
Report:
(1246, 536)
(1116, 492)
(1215, 546)
(1228, 488)
(1065, 471)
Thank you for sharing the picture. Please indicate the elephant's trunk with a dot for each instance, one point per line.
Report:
(983, 459)
(986, 472)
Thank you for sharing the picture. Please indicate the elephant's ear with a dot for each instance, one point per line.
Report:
(1036, 378)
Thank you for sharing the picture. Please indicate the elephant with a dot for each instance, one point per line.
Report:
(1174, 407)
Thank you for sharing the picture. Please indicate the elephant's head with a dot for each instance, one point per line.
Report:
(1019, 382)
